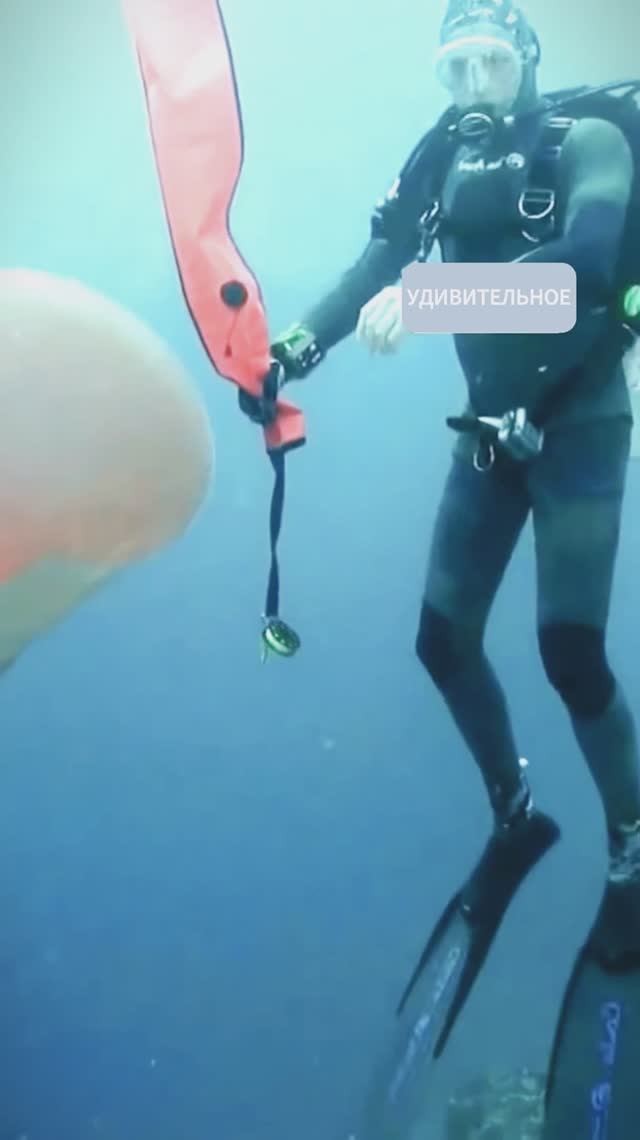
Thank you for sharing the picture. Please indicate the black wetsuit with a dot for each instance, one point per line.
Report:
(574, 488)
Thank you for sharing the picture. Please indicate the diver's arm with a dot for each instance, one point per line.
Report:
(336, 315)
(393, 244)
(594, 180)
(302, 346)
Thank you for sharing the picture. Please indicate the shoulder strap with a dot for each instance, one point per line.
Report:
(420, 181)
(542, 183)
(537, 201)
(565, 107)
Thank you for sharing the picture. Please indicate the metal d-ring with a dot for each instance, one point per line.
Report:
(546, 199)
(491, 457)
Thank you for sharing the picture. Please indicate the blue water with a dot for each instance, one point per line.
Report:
(214, 876)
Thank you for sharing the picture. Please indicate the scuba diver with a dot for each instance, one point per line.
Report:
(478, 183)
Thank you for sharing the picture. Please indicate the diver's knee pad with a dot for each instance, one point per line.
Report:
(439, 645)
(576, 664)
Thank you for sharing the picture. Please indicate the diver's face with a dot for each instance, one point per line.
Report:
(488, 74)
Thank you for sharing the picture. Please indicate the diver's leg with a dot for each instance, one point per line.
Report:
(577, 494)
(480, 518)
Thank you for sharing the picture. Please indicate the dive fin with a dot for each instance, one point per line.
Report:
(483, 902)
(400, 1086)
(445, 974)
(593, 1086)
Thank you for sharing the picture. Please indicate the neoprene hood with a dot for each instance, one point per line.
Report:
(500, 21)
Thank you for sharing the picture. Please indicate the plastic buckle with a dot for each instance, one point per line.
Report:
(560, 122)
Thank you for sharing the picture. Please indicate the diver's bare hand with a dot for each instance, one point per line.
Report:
(380, 325)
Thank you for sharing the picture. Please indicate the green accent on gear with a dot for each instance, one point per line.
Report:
(292, 336)
(280, 638)
(631, 302)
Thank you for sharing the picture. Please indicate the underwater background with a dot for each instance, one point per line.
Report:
(215, 877)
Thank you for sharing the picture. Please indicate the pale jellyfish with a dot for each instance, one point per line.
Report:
(105, 448)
